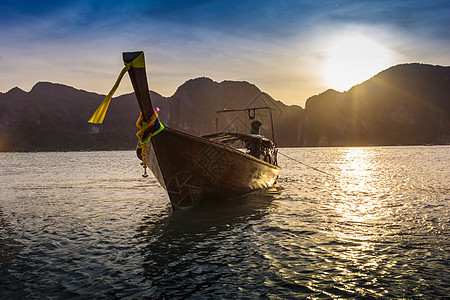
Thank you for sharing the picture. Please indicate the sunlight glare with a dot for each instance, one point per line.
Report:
(359, 185)
(350, 60)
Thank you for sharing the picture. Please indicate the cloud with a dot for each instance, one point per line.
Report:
(254, 19)
(255, 40)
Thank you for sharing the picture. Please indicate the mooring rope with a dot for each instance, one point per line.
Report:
(316, 169)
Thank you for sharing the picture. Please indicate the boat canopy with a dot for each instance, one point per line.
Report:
(230, 138)
(257, 145)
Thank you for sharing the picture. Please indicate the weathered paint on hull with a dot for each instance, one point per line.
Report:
(194, 170)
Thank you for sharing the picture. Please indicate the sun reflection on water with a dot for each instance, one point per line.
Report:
(361, 209)
(361, 188)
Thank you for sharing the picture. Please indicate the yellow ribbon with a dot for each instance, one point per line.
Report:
(99, 114)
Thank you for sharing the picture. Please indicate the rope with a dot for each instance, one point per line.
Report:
(316, 169)
(146, 130)
(144, 159)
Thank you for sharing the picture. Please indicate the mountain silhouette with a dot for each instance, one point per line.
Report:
(405, 104)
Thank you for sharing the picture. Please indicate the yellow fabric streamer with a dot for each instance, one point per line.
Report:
(99, 114)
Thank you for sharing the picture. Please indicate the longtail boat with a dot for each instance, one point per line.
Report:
(195, 169)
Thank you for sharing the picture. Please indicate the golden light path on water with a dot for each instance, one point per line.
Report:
(363, 213)
(358, 207)
(359, 185)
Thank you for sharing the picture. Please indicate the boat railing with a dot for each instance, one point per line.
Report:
(251, 113)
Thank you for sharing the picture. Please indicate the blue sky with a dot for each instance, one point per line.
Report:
(289, 49)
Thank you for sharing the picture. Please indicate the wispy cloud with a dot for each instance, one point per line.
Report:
(278, 45)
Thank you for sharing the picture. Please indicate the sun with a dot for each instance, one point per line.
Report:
(350, 60)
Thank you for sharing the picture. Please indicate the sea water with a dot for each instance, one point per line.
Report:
(86, 225)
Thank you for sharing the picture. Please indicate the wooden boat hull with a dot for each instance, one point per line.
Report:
(193, 169)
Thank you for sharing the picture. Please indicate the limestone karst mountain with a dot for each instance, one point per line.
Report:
(405, 104)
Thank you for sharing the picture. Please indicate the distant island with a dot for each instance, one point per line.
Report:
(406, 104)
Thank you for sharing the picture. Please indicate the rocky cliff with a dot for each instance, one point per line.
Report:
(406, 104)
(54, 116)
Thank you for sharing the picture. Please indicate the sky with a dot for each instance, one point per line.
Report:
(290, 49)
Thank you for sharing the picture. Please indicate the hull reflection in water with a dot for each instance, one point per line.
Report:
(186, 252)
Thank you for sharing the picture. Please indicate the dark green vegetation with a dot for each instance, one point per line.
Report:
(406, 104)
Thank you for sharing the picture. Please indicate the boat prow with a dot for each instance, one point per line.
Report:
(194, 169)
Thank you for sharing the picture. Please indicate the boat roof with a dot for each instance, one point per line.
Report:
(233, 137)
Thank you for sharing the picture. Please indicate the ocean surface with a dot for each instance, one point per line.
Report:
(86, 225)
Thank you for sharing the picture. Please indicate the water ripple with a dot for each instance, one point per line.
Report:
(87, 225)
